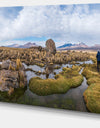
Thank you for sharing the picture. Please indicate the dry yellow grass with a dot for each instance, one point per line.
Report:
(18, 64)
(21, 79)
(11, 67)
(34, 56)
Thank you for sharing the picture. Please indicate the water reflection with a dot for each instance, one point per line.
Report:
(49, 71)
(72, 100)
(31, 74)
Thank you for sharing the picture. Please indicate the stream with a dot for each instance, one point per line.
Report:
(71, 100)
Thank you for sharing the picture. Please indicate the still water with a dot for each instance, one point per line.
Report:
(52, 70)
(72, 100)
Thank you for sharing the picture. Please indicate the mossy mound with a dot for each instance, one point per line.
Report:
(89, 74)
(93, 80)
(92, 93)
(92, 97)
(67, 79)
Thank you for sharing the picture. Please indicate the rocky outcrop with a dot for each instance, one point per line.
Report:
(11, 77)
(50, 46)
(6, 65)
(8, 79)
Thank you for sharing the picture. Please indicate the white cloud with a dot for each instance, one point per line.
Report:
(73, 23)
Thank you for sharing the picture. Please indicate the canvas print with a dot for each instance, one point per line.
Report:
(50, 56)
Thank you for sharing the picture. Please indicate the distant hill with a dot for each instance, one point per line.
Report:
(66, 45)
(73, 46)
(95, 47)
(27, 45)
(13, 46)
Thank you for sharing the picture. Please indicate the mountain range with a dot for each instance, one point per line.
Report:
(27, 45)
(66, 46)
(73, 46)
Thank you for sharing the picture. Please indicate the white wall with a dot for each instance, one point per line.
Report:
(23, 116)
(42, 2)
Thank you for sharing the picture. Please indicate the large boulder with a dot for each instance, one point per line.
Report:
(11, 77)
(50, 46)
(8, 79)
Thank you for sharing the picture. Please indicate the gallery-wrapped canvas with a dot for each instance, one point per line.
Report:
(49, 56)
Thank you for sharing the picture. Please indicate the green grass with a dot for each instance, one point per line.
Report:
(67, 79)
(92, 97)
(92, 93)
(89, 74)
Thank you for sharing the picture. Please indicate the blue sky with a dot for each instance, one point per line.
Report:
(62, 23)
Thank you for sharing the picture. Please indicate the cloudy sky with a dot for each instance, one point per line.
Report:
(63, 23)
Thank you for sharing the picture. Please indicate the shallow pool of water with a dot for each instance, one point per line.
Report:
(72, 100)
(51, 69)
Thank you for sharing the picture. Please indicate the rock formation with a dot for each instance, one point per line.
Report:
(11, 77)
(6, 64)
(50, 46)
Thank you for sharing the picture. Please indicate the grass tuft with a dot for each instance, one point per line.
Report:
(18, 64)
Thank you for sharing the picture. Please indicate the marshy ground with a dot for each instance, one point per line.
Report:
(58, 84)
(92, 93)
(65, 80)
